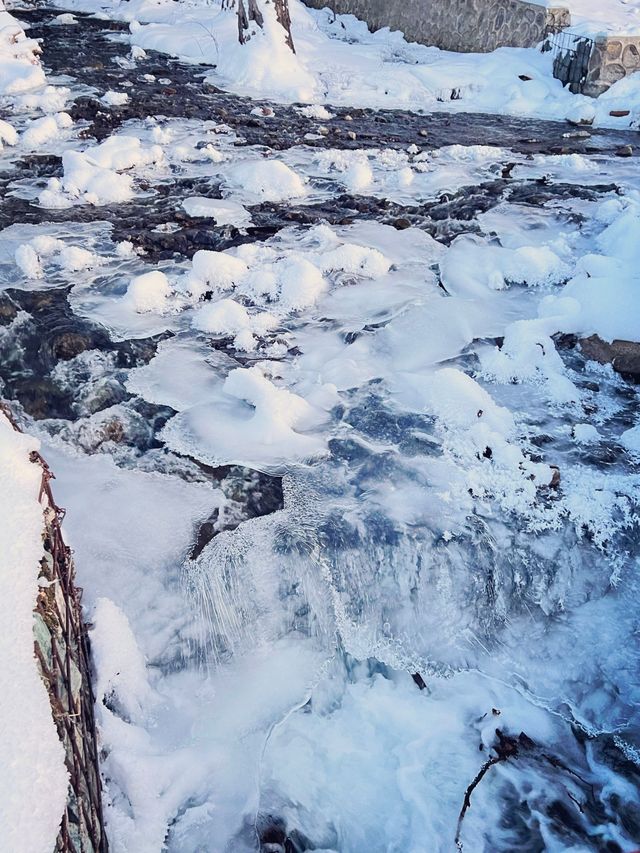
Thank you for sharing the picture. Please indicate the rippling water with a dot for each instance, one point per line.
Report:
(332, 668)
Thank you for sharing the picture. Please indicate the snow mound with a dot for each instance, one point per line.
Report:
(148, 292)
(94, 176)
(20, 68)
(266, 180)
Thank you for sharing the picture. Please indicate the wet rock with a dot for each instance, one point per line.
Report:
(104, 394)
(70, 344)
(624, 151)
(8, 310)
(116, 425)
(582, 121)
(623, 356)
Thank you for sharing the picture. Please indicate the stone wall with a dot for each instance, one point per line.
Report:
(612, 58)
(460, 25)
(62, 652)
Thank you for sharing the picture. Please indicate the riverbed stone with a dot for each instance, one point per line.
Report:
(623, 356)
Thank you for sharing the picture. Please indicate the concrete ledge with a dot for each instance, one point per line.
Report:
(466, 26)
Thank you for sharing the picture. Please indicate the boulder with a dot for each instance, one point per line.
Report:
(623, 356)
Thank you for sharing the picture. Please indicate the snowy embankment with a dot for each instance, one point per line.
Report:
(33, 783)
(593, 17)
(338, 61)
(20, 69)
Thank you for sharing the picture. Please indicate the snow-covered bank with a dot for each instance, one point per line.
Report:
(33, 782)
(338, 61)
(20, 67)
(594, 18)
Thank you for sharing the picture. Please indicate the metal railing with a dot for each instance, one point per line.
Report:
(571, 54)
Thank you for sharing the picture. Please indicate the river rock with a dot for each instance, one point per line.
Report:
(623, 356)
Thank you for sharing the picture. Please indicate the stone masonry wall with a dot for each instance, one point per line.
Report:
(461, 25)
(62, 651)
(612, 58)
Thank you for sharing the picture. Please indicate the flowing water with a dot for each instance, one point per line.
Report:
(336, 647)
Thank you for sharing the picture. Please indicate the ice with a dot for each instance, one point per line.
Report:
(180, 375)
(223, 212)
(471, 267)
(115, 99)
(253, 422)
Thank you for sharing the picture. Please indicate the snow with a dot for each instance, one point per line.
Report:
(28, 261)
(593, 18)
(339, 62)
(266, 180)
(94, 176)
(121, 666)
(42, 250)
(20, 68)
(45, 129)
(8, 134)
(66, 18)
(227, 317)
(149, 292)
(630, 439)
(217, 270)
(585, 433)
(33, 788)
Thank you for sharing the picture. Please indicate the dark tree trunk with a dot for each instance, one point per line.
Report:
(252, 12)
(282, 13)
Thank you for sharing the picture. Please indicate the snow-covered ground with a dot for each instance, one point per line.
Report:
(33, 783)
(461, 486)
(338, 61)
(595, 18)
